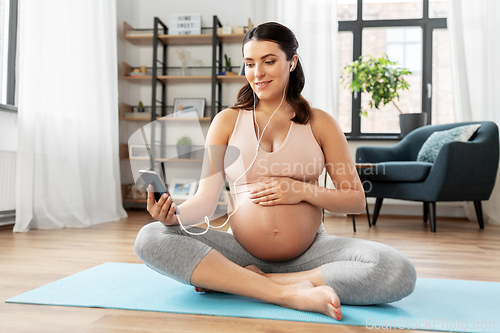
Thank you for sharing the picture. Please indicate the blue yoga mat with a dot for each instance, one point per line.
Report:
(439, 305)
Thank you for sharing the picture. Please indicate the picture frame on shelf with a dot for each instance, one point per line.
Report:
(189, 108)
(182, 188)
(141, 151)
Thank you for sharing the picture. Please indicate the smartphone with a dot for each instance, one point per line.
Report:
(159, 186)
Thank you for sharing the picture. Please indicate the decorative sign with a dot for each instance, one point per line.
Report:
(185, 24)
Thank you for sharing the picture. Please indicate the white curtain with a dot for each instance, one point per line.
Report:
(67, 168)
(474, 27)
(314, 23)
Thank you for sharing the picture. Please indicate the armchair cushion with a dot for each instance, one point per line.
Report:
(430, 149)
(401, 171)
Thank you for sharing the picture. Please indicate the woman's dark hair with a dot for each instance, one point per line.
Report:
(285, 38)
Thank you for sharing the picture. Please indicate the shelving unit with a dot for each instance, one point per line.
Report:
(159, 39)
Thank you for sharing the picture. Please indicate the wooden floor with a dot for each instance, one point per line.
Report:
(459, 250)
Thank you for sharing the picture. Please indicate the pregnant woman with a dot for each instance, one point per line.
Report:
(278, 250)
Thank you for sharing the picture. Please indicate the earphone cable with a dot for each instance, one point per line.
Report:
(206, 219)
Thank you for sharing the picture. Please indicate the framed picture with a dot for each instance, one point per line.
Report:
(189, 107)
(182, 188)
(140, 151)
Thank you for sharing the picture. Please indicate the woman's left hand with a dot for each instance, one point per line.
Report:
(278, 191)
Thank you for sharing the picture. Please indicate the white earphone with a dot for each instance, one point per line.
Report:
(291, 65)
(207, 220)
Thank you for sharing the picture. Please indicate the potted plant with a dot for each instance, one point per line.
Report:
(228, 63)
(383, 79)
(140, 107)
(184, 147)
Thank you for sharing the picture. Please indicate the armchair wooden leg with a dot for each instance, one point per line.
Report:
(479, 213)
(376, 210)
(426, 211)
(432, 215)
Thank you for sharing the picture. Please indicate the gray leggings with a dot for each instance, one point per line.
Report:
(361, 272)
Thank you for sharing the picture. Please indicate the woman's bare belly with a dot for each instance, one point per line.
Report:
(274, 233)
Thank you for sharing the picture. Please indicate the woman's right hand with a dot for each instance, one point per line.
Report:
(163, 210)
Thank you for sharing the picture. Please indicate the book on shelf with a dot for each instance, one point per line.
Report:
(138, 74)
(228, 73)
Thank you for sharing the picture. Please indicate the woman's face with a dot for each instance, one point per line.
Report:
(266, 69)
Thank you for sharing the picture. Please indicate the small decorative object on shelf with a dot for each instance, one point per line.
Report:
(182, 188)
(184, 147)
(183, 56)
(137, 72)
(185, 24)
(189, 107)
(130, 191)
(141, 151)
(140, 107)
(250, 25)
(228, 63)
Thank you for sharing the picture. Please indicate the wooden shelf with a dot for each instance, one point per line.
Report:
(202, 39)
(231, 78)
(126, 108)
(126, 69)
(185, 79)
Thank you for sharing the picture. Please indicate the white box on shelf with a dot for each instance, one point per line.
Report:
(184, 25)
(185, 17)
(184, 31)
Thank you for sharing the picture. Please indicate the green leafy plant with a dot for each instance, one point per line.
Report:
(378, 76)
(184, 141)
(140, 107)
(228, 61)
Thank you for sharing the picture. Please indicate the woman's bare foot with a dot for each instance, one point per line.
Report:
(252, 268)
(305, 296)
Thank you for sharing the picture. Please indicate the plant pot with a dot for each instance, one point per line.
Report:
(410, 121)
(184, 151)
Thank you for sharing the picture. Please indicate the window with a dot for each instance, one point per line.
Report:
(412, 32)
(8, 36)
